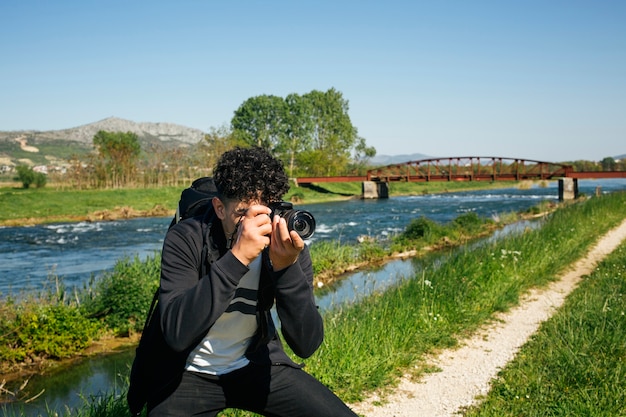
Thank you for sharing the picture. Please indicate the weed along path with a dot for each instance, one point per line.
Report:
(466, 372)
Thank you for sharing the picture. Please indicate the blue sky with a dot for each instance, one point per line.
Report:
(541, 80)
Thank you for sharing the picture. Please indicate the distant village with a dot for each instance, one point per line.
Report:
(8, 167)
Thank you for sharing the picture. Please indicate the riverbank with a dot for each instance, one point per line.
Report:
(27, 207)
(23, 372)
(117, 213)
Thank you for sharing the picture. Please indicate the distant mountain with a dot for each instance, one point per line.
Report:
(40, 147)
(85, 133)
(397, 159)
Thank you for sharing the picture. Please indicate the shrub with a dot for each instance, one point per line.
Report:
(44, 331)
(470, 222)
(424, 229)
(27, 177)
(122, 297)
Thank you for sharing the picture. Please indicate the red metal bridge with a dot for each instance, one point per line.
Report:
(469, 168)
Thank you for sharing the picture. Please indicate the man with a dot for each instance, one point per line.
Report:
(217, 316)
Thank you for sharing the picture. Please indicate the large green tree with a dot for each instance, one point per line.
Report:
(312, 133)
(608, 164)
(297, 126)
(117, 157)
(259, 121)
(332, 136)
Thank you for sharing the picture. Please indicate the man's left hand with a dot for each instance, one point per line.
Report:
(285, 246)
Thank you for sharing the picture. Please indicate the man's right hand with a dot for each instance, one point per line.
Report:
(253, 234)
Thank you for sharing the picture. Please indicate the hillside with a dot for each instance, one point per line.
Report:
(397, 159)
(44, 147)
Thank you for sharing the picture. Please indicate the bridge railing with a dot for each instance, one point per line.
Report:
(468, 168)
(471, 168)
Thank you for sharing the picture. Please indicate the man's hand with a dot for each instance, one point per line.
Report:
(253, 234)
(285, 246)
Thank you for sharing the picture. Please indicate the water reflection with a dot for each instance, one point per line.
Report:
(361, 284)
(71, 386)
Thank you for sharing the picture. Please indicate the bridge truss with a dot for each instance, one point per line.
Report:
(470, 168)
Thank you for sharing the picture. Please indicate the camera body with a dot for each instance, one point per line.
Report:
(301, 221)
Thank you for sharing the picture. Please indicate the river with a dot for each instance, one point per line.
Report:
(77, 252)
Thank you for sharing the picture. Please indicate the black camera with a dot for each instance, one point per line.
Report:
(299, 220)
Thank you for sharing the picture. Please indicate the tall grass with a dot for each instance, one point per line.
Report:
(369, 344)
(576, 363)
(57, 325)
(121, 299)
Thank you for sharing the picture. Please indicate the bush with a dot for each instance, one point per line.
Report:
(470, 222)
(27, 177)
(40, 180)
(122, 297)
(44, 331)
(422, 228)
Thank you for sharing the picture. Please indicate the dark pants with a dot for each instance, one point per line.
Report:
(273, 391)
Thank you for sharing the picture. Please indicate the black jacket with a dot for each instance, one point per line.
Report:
(193, 296)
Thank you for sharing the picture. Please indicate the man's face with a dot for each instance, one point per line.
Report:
(230, 212)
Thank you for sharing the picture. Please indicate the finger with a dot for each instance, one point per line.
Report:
(256, 209)
(296, 240)
(281, 233)
(256, 229)
(259, 225)
(256, 217)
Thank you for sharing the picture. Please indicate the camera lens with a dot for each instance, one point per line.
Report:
(299, 225)
(302, 222)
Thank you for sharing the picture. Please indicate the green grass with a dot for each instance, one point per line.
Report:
(575, 365)
(368, 345)
(18, 203)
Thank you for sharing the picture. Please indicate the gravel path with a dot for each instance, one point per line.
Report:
(466, 372)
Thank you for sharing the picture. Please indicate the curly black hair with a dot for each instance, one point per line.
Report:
(247, 174)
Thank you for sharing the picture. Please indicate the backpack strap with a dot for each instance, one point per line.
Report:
(155, 299)
(206, 258)
(204, 265)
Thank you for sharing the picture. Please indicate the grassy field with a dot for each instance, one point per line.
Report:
(575, 363)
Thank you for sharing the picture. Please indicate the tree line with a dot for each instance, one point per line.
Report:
(311, 133)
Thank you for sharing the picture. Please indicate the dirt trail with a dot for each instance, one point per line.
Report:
(466, 372)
